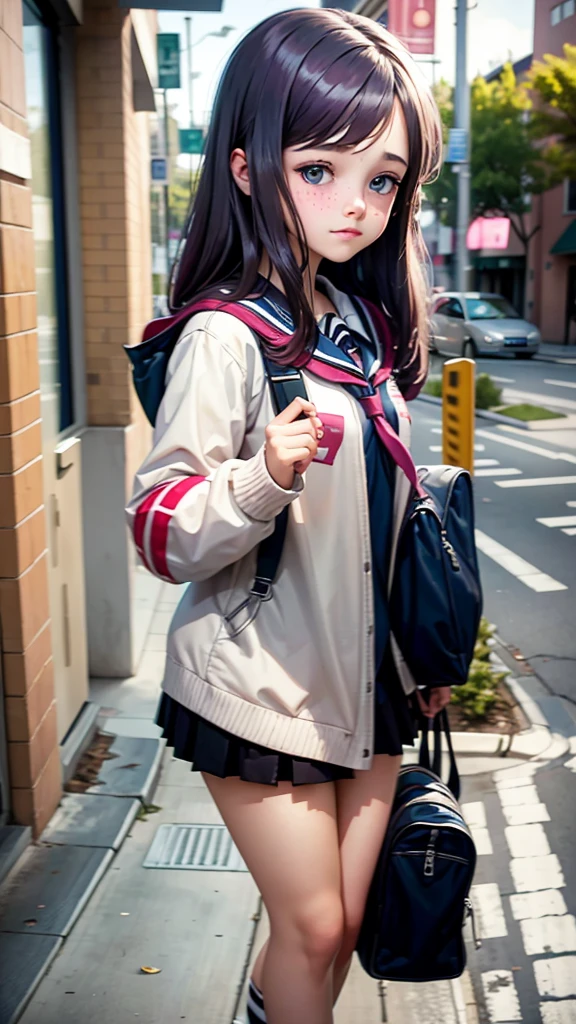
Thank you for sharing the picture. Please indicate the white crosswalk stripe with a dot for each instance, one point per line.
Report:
(501, 997)
(537, 904)
(556, 978)
(524, 571)
(549, 935)
(539, 481)
(555, 521)
(487, 904)
(498, 472)
(561, 1012)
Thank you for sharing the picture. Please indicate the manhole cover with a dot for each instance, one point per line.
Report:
(194, 848)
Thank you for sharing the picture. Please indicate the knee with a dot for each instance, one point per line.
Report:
(350, 932)
(319, 928)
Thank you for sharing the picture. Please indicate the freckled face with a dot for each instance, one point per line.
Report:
(344, 197)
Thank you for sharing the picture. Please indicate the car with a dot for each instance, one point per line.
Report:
(472, 324)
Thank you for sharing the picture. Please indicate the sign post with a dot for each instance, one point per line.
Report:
(458, 413)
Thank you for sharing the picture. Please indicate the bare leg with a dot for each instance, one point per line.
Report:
(364, 805)
(289, 840)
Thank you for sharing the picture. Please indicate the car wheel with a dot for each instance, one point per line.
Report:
(524, 355)
(469, 350)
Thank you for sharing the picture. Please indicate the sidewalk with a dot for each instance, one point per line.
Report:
(201, 928)
(556, 353)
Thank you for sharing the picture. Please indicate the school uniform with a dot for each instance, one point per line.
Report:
(313, 687)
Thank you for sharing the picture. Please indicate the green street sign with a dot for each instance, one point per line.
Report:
(191, 140)
(168, 60)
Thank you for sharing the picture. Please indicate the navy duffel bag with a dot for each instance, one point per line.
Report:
(419, 898)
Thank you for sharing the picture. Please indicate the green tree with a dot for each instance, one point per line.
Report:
(441, 193)
(506, 167)
(552, 85)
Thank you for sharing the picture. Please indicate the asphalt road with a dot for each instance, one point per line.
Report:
(519, 481)
(541, 623)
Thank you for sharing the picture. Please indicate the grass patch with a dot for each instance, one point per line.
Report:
(527, 413)
(479, 694)
(434, 388)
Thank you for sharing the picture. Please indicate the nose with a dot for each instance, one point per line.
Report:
(355, 207)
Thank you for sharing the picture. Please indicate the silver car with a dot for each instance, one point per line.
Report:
(474, 324)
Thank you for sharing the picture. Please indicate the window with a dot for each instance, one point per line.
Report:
(491, 307)
(561, 11)
(567, 8)
(454, 309)
(556, 15)
(570, 205)
(43, 114)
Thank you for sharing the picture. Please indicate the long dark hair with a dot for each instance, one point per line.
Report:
(304, 76)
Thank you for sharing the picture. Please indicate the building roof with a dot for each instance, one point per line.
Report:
(565, 245)
(520, 67)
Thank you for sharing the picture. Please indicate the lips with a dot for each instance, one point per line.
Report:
(347, 233)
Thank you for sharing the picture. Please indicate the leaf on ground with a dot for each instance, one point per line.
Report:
(151, 970)
(134, 764)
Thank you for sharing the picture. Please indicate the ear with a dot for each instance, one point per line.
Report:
(239, 169)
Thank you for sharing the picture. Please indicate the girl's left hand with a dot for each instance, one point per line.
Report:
(438, 698)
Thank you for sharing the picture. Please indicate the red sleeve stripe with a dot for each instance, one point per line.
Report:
(156, 511)
(140, 521)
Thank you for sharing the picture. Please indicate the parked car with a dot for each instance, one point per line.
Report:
(474, 324)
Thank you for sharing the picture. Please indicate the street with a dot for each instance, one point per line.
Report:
(525, 884)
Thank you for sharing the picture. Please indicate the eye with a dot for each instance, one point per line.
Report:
(314, 174)
(384, 184)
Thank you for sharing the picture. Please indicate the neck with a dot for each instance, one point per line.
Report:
(316, 300)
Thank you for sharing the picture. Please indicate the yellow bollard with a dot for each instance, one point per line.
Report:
(458, 412)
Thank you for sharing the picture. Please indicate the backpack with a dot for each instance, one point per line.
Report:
(436, 600)
(419, 896)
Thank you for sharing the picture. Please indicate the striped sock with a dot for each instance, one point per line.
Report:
(255, 1005)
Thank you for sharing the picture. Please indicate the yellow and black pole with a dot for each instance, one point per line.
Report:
(458, 413)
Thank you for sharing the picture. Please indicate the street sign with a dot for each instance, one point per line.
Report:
(457, 146)
(159, 170)
(458, 413)
(168, 60)
(191, 140)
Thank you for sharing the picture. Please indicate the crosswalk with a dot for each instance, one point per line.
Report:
(509, 476)
(537, 904)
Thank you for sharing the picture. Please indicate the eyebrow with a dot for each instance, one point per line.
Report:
(393, 157)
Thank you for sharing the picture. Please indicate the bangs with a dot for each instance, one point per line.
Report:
(348, 95)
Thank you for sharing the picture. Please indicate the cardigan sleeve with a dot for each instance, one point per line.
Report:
(196, 506)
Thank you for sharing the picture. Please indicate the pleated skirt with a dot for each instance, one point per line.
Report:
(218, 752)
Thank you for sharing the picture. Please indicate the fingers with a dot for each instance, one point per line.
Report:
(311, 425)
(296, 408)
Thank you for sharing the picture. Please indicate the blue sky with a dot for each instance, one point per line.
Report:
(497, 29)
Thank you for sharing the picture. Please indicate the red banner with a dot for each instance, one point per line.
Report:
(413, 21)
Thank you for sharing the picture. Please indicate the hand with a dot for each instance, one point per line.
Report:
(292, 443)
(438, 698)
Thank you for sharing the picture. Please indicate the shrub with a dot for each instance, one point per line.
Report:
(487, 394)
(479, 693)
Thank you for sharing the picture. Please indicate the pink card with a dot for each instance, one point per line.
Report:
(329, 445)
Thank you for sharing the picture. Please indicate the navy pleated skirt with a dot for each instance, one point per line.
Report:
(218, 752)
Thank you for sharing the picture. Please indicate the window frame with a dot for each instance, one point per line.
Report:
(568, 210)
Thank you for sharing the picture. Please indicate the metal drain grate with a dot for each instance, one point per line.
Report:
(194, 848)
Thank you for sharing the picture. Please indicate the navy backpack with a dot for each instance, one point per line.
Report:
(419, 897)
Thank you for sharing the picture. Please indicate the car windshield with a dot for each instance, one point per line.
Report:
(491, 307)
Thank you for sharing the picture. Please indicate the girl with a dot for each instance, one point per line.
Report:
(295, 707)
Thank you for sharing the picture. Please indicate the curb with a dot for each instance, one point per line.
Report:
(538, 742)
(483, 414)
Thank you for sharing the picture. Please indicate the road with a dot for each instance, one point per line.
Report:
(525, 883)
(525, 488)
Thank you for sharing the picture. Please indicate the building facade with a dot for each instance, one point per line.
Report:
(552, 261)
(77, 82)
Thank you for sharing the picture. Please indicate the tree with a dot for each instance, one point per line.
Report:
(441, 193)
(506, 167)
(552, 84)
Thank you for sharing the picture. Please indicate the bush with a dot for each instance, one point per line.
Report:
(479, 693)
(433, 387)
(487, 394)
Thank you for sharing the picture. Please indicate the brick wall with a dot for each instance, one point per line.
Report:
(29, 705)
(115, 209)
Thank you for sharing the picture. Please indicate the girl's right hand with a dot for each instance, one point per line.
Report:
(292, 442)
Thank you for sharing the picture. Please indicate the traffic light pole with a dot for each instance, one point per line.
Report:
(462, 120)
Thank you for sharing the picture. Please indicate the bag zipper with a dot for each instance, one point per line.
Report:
(469, 912)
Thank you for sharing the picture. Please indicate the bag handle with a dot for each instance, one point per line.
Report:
(440, 725)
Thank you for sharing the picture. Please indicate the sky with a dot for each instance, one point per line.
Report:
(497, 30)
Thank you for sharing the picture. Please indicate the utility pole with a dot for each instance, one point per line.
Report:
(167, 187)
(189, 53)
(462, 121)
